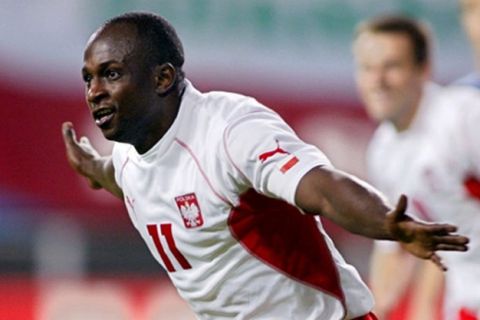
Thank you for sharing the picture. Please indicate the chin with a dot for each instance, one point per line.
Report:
(110, 134)
(117, 136)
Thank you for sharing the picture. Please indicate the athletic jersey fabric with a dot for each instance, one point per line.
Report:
(214, 202)
(436, 162)
(472, 79)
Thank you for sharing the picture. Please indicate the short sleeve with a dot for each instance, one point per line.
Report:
(269, 154)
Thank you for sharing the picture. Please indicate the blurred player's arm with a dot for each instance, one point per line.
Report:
(361, 209)
(426, 292)
(391, 271)
(84, 159)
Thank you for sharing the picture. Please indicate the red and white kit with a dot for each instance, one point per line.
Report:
(214, 202)
(436, 162)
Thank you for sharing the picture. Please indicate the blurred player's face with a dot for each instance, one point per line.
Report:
(119, 88)
(470, 14)
(388, 79)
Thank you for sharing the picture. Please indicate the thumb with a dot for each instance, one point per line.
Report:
(399, 212)
(68, 133)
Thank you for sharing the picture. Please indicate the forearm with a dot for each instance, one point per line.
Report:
(359, 208)
(104, 174)
(345, 200)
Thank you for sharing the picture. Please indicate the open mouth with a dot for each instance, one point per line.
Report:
(103, 116)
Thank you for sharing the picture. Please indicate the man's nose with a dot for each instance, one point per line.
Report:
(377, 77)
(96, 91)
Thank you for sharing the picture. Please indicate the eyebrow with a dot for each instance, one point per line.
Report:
(102, 66)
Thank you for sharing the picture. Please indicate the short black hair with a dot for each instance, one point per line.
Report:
(416, 31)
(158, 39)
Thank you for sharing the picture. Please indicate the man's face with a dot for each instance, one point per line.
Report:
(470, 14)
(388, 79)
(118, 88)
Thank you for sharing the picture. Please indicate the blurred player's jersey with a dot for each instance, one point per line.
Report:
(472, 79)
(436, 162)
(207, 201)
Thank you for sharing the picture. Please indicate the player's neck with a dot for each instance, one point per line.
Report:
(407, 117)
(160, 122)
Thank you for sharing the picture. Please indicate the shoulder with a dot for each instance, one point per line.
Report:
(223, 104)
(471, 79)
(221, 110)
(461, 93)
(233, 106)
(458, 102)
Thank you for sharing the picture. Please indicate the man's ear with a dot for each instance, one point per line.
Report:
(165, 76)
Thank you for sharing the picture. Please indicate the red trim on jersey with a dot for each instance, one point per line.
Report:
(287, 166)
(472, 184)
(225, 146)
(282, 237)
(123, 167)
(186, 147)
(466, 314)
(369, 316)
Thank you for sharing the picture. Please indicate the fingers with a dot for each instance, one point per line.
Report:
(71, 142)
(448, 242)
(68, 132)
(440, 229)
(450, 247)
(451, 243)
(85, 142)
(451, 239)
(438, 261)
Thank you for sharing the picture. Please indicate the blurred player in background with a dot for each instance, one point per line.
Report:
(427, 146)
(223, 192)
(470, 17)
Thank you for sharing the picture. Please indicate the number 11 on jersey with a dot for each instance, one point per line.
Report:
(166, 232)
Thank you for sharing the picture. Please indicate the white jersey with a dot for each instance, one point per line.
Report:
(471, 79)
(436, 162)
(214, 202)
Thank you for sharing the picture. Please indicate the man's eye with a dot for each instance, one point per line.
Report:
(112, 74)
(87, 78)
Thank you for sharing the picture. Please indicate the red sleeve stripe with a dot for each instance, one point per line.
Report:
(287, 166)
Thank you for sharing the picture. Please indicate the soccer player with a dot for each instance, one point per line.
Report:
(223, 192)
(470, 16)
(427, 147)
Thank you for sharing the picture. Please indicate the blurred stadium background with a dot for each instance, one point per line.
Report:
(67, 252)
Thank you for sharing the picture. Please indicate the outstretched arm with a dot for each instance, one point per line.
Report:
(84, 159)
(361, 209)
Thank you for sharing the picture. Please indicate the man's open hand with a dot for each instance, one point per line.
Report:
(423, 239)
(80, 154)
